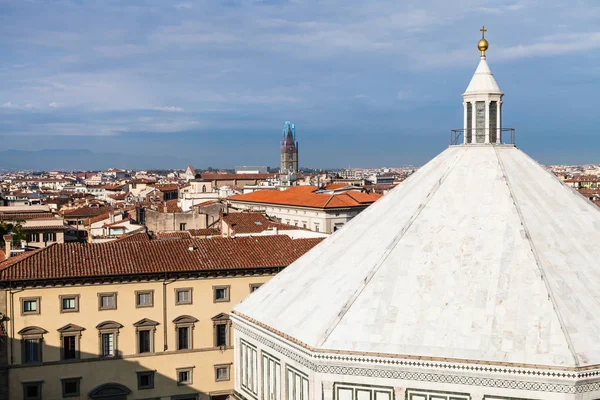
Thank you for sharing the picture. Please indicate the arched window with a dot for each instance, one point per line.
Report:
(110, 391)
(203, 188)
(31, 344)
(108, 334)
(184, 326)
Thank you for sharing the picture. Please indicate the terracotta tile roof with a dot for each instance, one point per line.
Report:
(169, 207)
(167, 187)
(2, 255)
(84, 212)
(46, 228)
(174, 235)
(204, 232)
(135, 237)
(222, 177)
(252, 222)
(305, 196)
(4, 216)
(71, 260)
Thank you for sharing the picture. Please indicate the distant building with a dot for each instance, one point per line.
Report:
(251, 170)
(306, 206)
(289, 155)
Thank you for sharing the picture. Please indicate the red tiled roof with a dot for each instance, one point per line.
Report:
(7, 216)
(167, 187)
(84, 212)
(46, 228)
(135, 237)
(251, 222)
(204, 232)
(71, 260)
(169, 207)
(174, 235)
(305, 196)
(222, 177)
(2, 255)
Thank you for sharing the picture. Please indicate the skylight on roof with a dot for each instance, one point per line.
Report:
(258, 222)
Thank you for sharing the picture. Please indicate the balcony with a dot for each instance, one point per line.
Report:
(478, 136)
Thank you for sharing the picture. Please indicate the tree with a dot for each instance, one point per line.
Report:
(15, 229)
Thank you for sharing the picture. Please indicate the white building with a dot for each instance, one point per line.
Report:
(307, 207)
(476, 279)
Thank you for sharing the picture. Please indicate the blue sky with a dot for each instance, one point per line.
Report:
(368, 83)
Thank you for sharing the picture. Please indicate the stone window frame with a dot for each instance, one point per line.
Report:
(70, 330)
(107, 327)
(68, 296)
(32, 383)
(37, 299)
(67, 380)
(145, 324)
(227, 297)
(184, 289)
(104, 294)
(222, 319)
(138, 292)
(150, 385)
(32, 333)
(190, 371)
(185, 321)
(254, 286)
(227, 367)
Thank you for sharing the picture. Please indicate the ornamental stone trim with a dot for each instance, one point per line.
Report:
(431, 377)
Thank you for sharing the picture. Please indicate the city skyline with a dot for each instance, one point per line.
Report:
(376, 83)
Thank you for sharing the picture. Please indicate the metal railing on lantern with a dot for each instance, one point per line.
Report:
(482, 136)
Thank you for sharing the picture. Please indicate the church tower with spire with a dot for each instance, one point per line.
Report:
(482, 103)
(289, 150)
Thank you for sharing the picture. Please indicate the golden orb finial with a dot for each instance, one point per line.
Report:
(483, 44)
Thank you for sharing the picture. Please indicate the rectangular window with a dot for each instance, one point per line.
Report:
(32, 390)
(183, 338)
(108, 345)
(32, 350)
(70, 387)
(107, 301)
(221, 335)
(344, 391)
(271, 370)
(33, 237)
(254, 286)
(144, 342)
(69, 344)
(69, 303)
(221, 373)
(297, 385)
(144, 298)
(30, 305)
(249, 368)
(221, 294)
(184, 376)
(183, 296)
(316, 227)
(418, 394)
(182, 226)
(50, 237)
(145, 380)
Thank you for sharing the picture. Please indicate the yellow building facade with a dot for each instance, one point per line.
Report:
(133, 336)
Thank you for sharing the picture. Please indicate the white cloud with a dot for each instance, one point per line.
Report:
(53, 104)
(8, 104)
(169, 109)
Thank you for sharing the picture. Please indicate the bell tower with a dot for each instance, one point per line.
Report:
(482, 103)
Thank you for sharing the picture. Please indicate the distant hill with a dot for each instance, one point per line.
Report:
(46, 160)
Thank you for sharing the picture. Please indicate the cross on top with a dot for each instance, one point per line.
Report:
(483, 31)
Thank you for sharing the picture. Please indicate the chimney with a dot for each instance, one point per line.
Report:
(7, 245)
